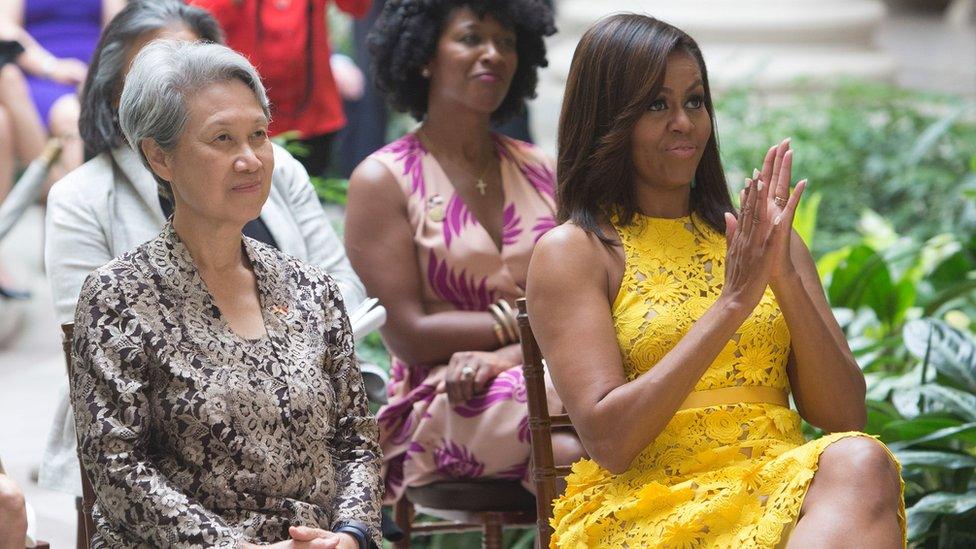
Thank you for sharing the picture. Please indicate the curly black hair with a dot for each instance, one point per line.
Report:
(405, 37)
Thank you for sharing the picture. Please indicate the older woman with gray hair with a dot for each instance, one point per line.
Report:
(111, 204)
(217, 397)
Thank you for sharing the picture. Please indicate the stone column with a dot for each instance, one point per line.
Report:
(777, 45)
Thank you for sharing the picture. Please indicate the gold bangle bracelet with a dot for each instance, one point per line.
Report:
(511, 320)
(499, 317)
(499, 333)
(508, 316)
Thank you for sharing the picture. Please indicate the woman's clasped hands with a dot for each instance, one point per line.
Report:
(759, 239)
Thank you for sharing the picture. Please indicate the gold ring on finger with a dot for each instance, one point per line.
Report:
(756, 219)
(780, 201)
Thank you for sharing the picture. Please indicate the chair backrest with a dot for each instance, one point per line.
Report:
(541, 424)
(87, 491)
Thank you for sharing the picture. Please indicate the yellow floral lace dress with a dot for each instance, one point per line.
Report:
(731, 468)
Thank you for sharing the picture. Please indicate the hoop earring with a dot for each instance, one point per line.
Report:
(425, 72)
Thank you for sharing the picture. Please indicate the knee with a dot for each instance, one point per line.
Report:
(63, 117)
(874, 474)
(12, 506)
(6, 128)
(11, 75)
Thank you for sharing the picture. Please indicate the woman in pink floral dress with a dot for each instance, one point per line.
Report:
(441, 225)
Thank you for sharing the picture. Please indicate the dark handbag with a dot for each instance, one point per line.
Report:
(9, 51)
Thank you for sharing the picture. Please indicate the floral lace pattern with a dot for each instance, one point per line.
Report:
(716, 476)
(196, 437)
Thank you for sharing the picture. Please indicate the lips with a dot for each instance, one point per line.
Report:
(682, 150)
(247, 187)
(488, 77)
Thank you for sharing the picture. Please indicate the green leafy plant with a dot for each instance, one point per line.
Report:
(930, 424)
(904, 154)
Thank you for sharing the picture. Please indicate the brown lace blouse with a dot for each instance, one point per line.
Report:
(196, 437)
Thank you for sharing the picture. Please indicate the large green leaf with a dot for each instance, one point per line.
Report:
(935, 458)
(951, 351)
(965, 433)
(930, 398)
(880, 414)
(863, 279)
(921, 515)
(916, 428)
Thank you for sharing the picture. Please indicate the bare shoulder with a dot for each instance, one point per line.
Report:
(374, 188)
(371, 174)
(569, 254)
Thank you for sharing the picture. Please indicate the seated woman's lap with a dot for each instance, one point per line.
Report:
(484, 437)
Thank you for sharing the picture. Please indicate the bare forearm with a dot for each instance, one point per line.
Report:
(35, 58)
(651, 400)
(821, 354)
(432, 339)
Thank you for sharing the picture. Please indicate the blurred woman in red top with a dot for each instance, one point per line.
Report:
(288, 42)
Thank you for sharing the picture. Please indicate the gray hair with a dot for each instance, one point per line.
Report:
(164, 75)
(98, 123)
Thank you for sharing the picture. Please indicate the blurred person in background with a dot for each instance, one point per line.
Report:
(218, 399)
(58, 38)
(21, 132)
(440, 225)
(288, 42)
(111, 204)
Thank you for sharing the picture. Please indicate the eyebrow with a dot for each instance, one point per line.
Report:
(224, 121)
(694, 85)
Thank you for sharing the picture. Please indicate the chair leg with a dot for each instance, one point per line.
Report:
(403, 511)
(493, 532)
(81, 533)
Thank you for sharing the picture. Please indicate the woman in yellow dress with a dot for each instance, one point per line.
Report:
(675, 329)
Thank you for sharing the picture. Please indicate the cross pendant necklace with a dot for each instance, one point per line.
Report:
(480, 185)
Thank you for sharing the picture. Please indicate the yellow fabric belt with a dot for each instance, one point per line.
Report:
(736, 395)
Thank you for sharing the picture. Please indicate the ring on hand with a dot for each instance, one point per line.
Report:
(467, 372)
(780, 201)
(756, 219)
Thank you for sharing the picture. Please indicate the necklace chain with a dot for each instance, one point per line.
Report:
(480, 185)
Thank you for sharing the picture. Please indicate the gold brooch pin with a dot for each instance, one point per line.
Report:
(435, 208)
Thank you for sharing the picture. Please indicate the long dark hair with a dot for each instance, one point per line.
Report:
(617, 71)
(98, 123)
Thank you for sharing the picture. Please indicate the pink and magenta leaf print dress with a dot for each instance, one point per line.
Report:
(424, 438)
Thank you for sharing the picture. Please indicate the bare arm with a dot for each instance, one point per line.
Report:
(819, 351)
(576, 334)
(36, 60)
(380, 246)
